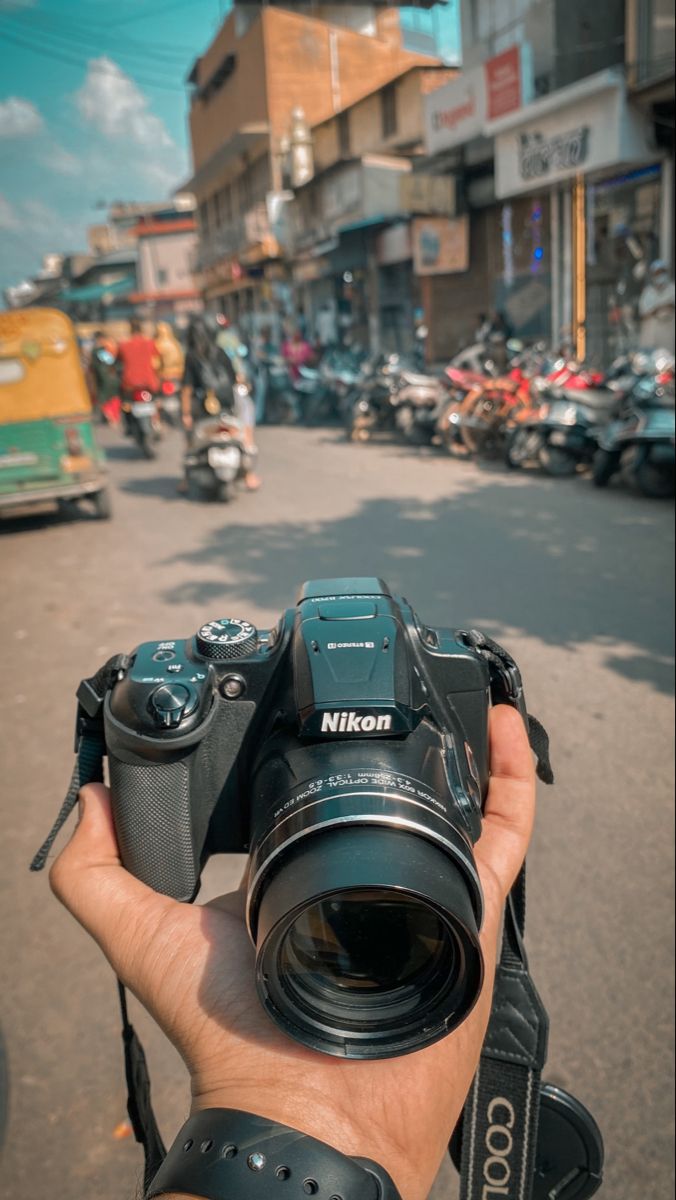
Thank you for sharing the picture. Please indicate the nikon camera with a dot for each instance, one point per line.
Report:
(346, 751)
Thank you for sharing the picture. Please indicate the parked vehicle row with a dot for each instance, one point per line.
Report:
(546, 412)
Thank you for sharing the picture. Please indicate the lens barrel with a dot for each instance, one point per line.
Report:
(367, 938)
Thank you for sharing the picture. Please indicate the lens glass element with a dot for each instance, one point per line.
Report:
(364, 942)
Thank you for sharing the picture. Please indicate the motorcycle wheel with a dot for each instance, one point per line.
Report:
(520, 448)
(557, 462)
(224, 493)
(605, 465)
(655, 481)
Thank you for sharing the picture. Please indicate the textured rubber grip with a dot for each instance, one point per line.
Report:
(151, 811)
(223, 1154)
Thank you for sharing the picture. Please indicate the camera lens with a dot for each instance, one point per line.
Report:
(367, 940)
(363, 942)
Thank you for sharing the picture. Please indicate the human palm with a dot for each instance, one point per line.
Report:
(193, 968)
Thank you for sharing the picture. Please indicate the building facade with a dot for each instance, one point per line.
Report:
(278, 98)
(552, 138)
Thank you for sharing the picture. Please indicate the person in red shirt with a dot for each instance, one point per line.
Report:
(138, 360)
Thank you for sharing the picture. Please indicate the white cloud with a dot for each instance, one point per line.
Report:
(111, 102)
(57, 158)
(19, 118)
(8, 219)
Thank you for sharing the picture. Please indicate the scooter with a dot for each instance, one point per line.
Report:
(141, 419)
(641, 442)
(217, 458)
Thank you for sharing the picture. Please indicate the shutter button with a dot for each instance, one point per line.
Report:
(170, 703)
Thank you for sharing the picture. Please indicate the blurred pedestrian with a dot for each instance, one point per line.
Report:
(104, 379)
(657, 308)
(297, 353)
(170, 353)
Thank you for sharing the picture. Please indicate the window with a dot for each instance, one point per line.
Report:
(388, 110)
(344, 134)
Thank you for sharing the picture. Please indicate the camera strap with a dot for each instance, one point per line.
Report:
(498, 1128)
(499, 1124)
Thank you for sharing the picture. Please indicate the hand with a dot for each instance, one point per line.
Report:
(193, 969)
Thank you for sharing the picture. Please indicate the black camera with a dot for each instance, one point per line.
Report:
(346, 750)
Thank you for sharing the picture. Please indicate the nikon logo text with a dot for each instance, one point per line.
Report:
(350, 722)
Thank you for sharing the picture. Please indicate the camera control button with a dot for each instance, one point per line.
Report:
(170, 703)
(163, 656)
(175, 668)
(227, 638)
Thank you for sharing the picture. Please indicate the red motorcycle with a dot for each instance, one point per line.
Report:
(141, 418)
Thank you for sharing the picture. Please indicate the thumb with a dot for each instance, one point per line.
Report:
(89, 879)
(509, 811)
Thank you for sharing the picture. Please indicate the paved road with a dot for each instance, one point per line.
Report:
(575, 582)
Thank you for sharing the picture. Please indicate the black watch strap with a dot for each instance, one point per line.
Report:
(223, 1154)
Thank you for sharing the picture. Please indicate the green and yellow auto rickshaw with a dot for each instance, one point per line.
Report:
(47, 447)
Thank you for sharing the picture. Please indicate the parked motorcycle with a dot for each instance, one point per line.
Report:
(142, 420)
(372, 405)
(217, 458)
(641, 442)
(280, 403)
(417, 401)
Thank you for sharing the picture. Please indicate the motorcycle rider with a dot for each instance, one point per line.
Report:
(138, 361)
(209, 379)
(170, 354)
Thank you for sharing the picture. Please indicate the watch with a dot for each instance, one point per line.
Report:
(224, 1154)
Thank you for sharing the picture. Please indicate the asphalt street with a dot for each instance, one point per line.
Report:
(578, 584)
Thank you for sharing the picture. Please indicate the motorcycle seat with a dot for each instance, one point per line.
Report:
(428, 381)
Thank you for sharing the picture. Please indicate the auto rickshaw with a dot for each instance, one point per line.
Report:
(47, 446)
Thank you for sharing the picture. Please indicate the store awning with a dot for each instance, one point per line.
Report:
(98, 291)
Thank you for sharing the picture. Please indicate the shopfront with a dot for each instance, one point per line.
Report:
(582, 158)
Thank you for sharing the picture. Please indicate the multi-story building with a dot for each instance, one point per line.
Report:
(264, 65)
(562, 176)
(352, 221)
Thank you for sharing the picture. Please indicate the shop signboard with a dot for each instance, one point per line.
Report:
(456, 112)
(503, 83)
(440, 245)
(420, 193)
(567, 139)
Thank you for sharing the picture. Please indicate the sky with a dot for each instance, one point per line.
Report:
(93, 109)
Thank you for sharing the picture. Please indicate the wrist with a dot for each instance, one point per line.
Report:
(309, 1112)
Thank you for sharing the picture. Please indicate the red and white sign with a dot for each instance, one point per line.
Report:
(456, 112)
(503, 83)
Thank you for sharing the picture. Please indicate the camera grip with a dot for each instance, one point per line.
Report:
(153, 823)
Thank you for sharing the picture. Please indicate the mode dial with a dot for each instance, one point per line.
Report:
(226, 639)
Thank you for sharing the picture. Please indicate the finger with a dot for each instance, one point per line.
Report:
(88, 878)
(509, 811)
